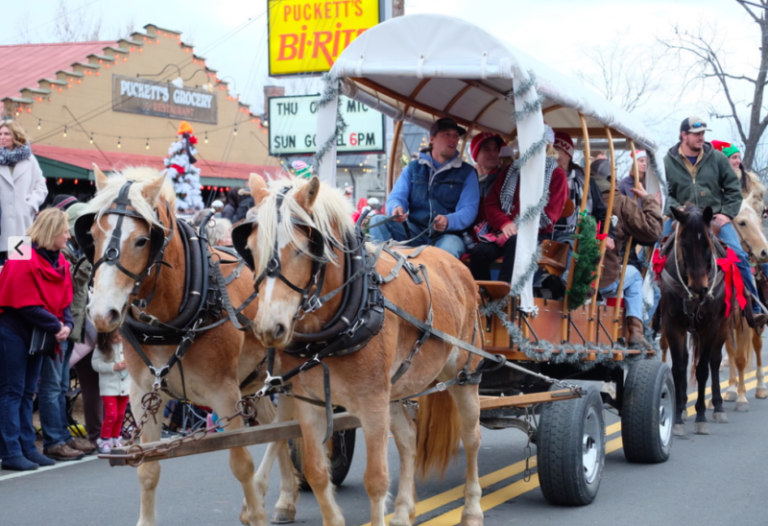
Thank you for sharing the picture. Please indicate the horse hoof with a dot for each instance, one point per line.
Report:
(399, 521)
(471, 520)
(728, 396)
(761, 393)
(678, 430)
(742, 407)
(720, 417)
(283, 516)
(244, 516)
(701, 428)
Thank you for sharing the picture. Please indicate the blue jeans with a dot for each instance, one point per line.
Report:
(633, 292)
(19, 373)
(730, 238)
(52, 397)
(451, 243)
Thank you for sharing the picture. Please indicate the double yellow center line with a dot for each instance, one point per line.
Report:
(519, 487)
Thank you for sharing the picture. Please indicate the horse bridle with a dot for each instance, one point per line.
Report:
(159, 240)
(310, 293)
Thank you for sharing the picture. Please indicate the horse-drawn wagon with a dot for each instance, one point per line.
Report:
(314, 273)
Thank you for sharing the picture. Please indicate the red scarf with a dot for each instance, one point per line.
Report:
(36, 282)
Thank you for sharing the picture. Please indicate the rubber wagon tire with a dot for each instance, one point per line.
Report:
(339, 463)
(571, 449)
(647, 412)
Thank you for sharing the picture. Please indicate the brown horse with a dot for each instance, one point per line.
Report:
(300, 224)
(218, 360)
(693, 301)
(750, 229)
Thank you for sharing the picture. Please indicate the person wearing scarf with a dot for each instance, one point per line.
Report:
(22, 185)
(638, 217)
(502, 207)
(485, 149)
(34, 293)
(566, 227)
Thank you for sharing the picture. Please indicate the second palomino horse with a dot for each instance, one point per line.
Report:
(302, 241)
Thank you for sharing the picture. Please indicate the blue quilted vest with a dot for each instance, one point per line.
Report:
(438, 198)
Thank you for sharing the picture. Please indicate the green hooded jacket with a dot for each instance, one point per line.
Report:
(711, 182)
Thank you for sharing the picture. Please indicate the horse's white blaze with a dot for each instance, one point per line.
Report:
(278, 310)
(106, 294)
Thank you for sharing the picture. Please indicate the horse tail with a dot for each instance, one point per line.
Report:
(696, 357)
(437, 434)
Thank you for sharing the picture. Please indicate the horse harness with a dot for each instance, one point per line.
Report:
(693, 301)
(205, 299)
(361, 313)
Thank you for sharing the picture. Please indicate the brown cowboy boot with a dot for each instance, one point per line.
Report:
(636, 336)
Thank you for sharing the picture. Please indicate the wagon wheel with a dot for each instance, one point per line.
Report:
(571, 449)
(647, 413)
(340, 448)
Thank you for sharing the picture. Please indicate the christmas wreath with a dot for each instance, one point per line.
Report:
(586, 257)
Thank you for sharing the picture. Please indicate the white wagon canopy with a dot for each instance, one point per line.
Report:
(423, 67)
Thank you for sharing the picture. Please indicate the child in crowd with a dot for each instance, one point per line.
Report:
(114, 384)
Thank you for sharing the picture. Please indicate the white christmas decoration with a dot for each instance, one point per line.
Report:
(184, 175)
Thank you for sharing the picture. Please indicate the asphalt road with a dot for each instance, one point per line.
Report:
(715, 479)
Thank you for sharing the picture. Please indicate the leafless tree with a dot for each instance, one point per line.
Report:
(24, 35)
(706, 47)
(75, 24)
(628, 75)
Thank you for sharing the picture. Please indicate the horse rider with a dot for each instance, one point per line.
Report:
(436, 197)
(638, 216)
(700, 174)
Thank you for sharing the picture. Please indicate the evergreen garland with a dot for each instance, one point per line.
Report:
(585, 263)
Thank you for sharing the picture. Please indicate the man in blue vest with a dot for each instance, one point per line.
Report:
(436, 197)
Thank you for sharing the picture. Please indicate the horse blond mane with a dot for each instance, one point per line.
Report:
(142, 175)
(331, 216)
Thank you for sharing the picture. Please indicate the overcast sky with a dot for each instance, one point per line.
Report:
(554, 31)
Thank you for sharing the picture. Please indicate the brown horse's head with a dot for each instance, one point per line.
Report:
(297, 224)
(750, 229)
(112, 286)
(694, 246)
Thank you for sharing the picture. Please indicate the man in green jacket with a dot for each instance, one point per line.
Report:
(698, 173)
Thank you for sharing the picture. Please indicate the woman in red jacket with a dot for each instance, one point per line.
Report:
(502, 206)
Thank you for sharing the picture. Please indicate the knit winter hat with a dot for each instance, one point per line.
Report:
(63, 201)
(564, 143)
(639, 154)
(480, 139)
(184, 127)
(73, 212)
(727, 148)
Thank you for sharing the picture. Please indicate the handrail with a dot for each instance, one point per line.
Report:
(392, 152)
(583, 206)
(591, 324)
(620, 291)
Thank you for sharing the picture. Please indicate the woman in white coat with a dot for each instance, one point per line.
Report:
(22, 185)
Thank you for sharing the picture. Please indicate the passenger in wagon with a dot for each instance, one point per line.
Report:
(436, 197)
(627, 184)
(502, 206)
(566, 227)
(485, 149)
(638, 216)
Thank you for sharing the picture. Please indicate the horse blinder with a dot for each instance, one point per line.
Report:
(240, 235)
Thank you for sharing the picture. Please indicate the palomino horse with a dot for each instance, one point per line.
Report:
(750, 229)
(300, 225)
(693, 301)
(133, 243)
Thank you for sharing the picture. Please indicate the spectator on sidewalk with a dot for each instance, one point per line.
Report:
(114, 385)
(35, 293)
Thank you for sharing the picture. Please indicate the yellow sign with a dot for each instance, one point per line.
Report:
(307, 36)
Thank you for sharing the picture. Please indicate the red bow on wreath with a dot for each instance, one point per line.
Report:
(658, 262)
(600, 236)
(178, 168)
(192, 139)
(732, 280)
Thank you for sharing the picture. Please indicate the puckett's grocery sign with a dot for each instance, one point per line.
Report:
(160, 99)
(307, 36)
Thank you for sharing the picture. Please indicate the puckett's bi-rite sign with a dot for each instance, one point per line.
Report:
(160, 99)
(293, 123)
(307, 36)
